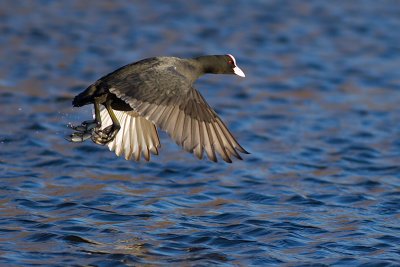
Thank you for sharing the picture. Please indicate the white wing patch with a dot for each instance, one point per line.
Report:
(137, 136)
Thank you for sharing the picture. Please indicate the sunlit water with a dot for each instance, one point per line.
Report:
(318, 109)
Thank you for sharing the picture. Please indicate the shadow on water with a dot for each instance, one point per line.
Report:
(318, 110)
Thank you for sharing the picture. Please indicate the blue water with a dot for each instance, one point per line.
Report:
(318, 110)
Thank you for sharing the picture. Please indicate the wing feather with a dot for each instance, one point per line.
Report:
(137, 136)
(166, 98)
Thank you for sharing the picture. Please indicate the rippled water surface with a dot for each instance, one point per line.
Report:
(318, 110)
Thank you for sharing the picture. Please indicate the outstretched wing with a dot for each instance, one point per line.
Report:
(167, 98)
(137, 137)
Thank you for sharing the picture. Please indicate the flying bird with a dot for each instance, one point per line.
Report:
(131, 102)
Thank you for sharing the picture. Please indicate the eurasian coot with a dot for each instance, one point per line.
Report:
(131, 102)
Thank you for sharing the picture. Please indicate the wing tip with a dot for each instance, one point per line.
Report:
(244, 151)
(228, 160)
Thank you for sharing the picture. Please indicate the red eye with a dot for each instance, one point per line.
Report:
(230, 62)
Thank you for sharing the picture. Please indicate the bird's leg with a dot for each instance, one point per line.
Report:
(84, 131)
(103, 136)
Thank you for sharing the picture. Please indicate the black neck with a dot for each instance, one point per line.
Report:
(209, 64)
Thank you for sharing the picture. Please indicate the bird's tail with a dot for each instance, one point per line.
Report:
(85, 97)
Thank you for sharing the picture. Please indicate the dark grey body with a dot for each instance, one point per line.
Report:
(164, 76)
(160, 89)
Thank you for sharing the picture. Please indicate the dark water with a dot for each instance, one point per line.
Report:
(319, 110)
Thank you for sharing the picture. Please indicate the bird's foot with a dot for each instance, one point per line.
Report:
(82, 132)
(103, 136)
(78, 137)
